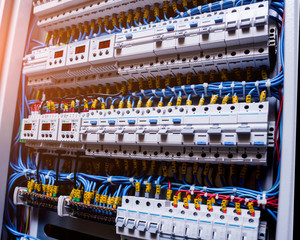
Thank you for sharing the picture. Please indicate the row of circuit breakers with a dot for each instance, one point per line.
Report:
(238, 132)
(238, 37)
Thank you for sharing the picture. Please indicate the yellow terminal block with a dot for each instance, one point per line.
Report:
(148, 187)
(201, 101)
(174, 167)
(94, 104)
(197, 203)
(220, 169)
(169, 194)
(149, 103)
(185, 203)
(179, 100)
(195, 168)
(188, 102)
(175, 201)
(189, 78)
(206, 169)
(201, 77)
(263, 96)
(224, 206)
(158, 81)
(168, 79)
(158, 190)
(183, 168)
(213, 99)
(118, 201)
(54, 190)
(248, 99)
(235, 99)
(165, 170)
(38, 187)
(137, 186)
(144, 165)
(97, 198)
(238, 208)
(209, 205)
(251, 208)
(225, 99)
(111, 201)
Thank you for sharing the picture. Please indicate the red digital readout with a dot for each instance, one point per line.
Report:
(45, 126)
(104, 44)
(27, 126)
(58, 54)
(80, 49)
(66, 126)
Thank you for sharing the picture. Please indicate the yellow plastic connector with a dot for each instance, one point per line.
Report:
(137, 186)
(185, 203)
(209, 205)
(175, 201)
(184, 168)
(195, 168)
(235, 99)
(148, 187)
(225, 99)
(248, 99)
(197, 203)
(174, 167)
(201, 77)
(169, 194)
(251, 208)
(157, 189)
(214, 99)
(224, 205)
(263, 96)
(94, 104)
(238, 208)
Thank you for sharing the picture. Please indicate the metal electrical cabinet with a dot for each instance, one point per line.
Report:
(148, 119)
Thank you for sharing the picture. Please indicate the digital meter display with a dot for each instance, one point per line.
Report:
(66, 126)
(27, 126)
(59, 54)
(104, 44)
(45, 126)
(80, 49)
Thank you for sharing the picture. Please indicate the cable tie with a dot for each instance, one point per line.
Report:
(109, 179)
(173, 90)
(257, 87)
(69, 176)
(145, 182)
(33, 172)
(232, 198)
(48, 174)
(205, 194)
(183, 88)
(221, 87)
(268, 86)
(193, 87)
(221, 4)
(155, 182)
(217, 196)
(163, 92)
(26, 170)
(263, 200)
(232, 86)
(209, 5)
(143, 92)
(192, 189)
(205, 85)
(154, 92)
(234, 190)
(131, 180)
(204, 188)
(246, 200)
(244, 88)
(181, 14)
(199, 9)
(133, 94)
(189, 12)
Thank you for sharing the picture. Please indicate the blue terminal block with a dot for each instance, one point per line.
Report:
(170, 28)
